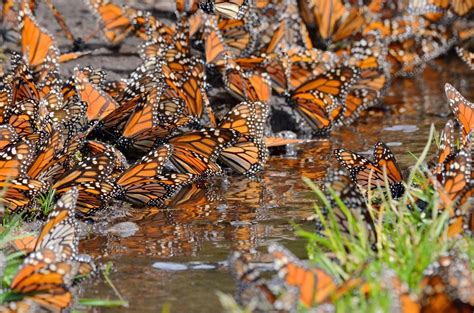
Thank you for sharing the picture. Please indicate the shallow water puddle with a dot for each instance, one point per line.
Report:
(180, 252)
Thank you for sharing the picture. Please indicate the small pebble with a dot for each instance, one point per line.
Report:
(402, 128)
(170, 266)
(124, 229)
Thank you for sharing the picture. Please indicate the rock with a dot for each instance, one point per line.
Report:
(170, 266)
(124, 229)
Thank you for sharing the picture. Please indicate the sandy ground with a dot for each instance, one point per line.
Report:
(118, 62)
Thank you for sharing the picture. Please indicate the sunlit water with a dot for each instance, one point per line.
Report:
(239, 214)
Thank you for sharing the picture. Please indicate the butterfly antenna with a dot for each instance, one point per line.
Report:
(91, 35)
(60, 21)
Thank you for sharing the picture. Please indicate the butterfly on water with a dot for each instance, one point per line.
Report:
(315, 285)
(368, 55)
(446, 150)
(462, 108)
(92, 177)
(143, 183)
(447, 286)
(196, 152)
(49, 271)
(369, 175)
(456, 188)
(253, 288)
(249, 154)
(338, 185)
(320, 100)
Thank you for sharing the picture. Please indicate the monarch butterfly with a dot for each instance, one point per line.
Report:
(234, 9)
(23, 118)
(289, 33)
(41, 266)
(190, 90)
(368, 52)
(291, 69)
(343, 188)
(39, 47)
(189, 6)
(455, 184)
(461, 7)
(196, 152)
(154, 191)
(333, 21)
(48, 271)
(447, 286)
(47, 165)
(175, 61)
(238, 36)
(91, 177)
(152, 121)
(252, 286)
(117, 22)
(395, 29)
(403, 57)
(368, 55)
(111, 124)
(22, 85)
(368, 175)
(95, 147)
(99, 104)
(37, 44)
(15, 158)
(467, 56)
(247, 86)
(52, 107)
(138, 84)
(45, 265)
(435, 40)
(248, 155)
(433, 10)
(175, 58)
(346, 191)
(68, 88)
(149, 166)
(60, 230)
(319, 100)
(463, 109)
(7, 136)
(314, 284)
(6, 100)
(214, 46)
(365, 93)
(446, 150)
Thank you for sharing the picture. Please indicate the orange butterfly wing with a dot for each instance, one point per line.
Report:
(99, 103)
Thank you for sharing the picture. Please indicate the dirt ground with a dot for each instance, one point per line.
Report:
(118, 62)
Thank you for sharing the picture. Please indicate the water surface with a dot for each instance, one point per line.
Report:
(240, 214)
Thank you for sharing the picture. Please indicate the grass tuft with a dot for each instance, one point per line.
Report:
(408, 239)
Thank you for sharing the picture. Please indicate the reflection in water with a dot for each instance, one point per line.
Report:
(235, 213)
